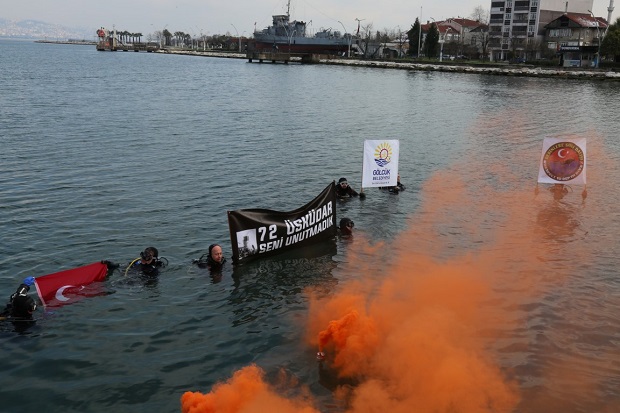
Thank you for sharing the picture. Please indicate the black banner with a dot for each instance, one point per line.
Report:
(260, 232)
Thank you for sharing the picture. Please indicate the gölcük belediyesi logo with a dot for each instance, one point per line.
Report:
(383, 154)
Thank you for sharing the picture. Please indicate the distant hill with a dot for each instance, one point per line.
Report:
(33, 29)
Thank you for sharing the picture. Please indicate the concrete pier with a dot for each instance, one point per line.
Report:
(114, 46)
(285, 58)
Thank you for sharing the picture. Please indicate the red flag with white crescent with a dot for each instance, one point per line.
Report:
(65, 287)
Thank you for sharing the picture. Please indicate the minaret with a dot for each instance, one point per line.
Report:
(610, 10)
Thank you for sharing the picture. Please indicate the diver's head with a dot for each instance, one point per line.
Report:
(148, 255)
(343, 182)
(23, 307)
(215, 253)
(346, 226)
(153, 251)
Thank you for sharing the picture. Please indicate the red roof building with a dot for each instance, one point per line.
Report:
(576, 38)
(517, 27)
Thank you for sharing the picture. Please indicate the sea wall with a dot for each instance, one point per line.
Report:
(508, 70)
(487, 70)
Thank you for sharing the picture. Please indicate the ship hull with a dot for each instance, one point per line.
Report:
(302, 45)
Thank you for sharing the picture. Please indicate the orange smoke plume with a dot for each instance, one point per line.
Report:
(246, 391)
(424, 324)
(354, 338)
(426, 330)
(414, 342)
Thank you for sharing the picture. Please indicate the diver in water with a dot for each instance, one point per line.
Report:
(346, 226)
(21, 306)
(149, 262)
(214, 258)
(396, 188)
(559, 191)
(343, 190)
(111, 267)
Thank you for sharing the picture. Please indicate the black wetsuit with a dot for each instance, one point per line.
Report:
(151, 269)
(394, 189)
(345, 192)
(21, 305)
(210, 263)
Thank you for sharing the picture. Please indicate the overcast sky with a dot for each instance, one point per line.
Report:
(219, 16)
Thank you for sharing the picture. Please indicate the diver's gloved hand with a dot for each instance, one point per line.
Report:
(29, 281)
(110, 264)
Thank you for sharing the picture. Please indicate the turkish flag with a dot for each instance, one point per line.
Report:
(67, 286)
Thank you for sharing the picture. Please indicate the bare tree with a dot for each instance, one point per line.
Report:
(480, 14)
(532, 47)
(157, 36)
(397, 34)
(366, 34)
(516, 45)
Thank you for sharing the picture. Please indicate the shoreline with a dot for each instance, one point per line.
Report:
(511, 70)
(501, 71)
(78, 42)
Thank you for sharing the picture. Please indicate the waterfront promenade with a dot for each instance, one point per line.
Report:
(490, 69)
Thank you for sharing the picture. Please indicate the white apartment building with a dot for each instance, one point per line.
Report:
(518, 26)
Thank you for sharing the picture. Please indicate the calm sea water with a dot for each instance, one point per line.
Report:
(103, 154)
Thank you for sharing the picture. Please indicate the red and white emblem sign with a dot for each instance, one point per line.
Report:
(563, 161)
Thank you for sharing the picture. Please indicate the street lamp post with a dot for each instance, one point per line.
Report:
(400, 42)
(445, 37)
(441, 48)
(420, 33)
(357, 41)
(598, 55)
(163, 36)
(358, 25)
(290, 39)
(237, 36)
(191, 38)
(349, 42)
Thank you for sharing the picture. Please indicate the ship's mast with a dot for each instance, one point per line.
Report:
(288, 8)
